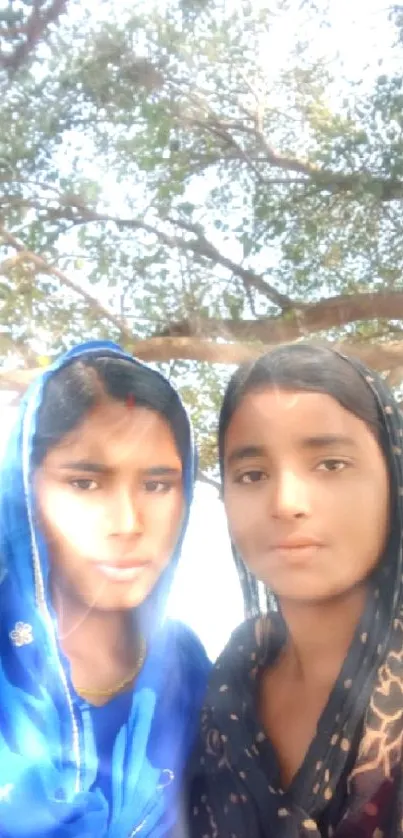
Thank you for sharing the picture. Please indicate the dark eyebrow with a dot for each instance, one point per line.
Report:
(163, 471)
(327, 441)
(98, 468)
(85, 465)
(245, 452)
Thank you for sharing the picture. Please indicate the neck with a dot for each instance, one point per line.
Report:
(88, 634)
(320, 635)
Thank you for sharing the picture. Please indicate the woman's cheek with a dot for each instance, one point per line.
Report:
(80, 524)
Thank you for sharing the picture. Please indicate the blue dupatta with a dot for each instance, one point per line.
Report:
(48, 758)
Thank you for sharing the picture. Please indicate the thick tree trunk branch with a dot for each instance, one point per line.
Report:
(300, 322)
(380, 356)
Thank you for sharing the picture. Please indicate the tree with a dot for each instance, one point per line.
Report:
(159, 187)
(23, 26)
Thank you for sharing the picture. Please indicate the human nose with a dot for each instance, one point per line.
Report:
(125, 515)
(290, 496)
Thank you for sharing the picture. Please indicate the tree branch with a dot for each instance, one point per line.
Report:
(204, 478)
(199, 246)
(385, 189)
(379, 356)
(300, 322)
(34, 30)
(44, 267)
(252, 280)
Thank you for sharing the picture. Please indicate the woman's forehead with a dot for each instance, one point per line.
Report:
(117, 430)
(274, 415)
(269, 405)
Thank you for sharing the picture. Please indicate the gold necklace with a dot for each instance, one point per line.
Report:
(84, 692)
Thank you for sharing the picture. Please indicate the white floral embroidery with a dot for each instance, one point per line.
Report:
(5, 792)
(21, 635)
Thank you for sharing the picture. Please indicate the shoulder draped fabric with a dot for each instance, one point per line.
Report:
(350, 783)
(48, 758)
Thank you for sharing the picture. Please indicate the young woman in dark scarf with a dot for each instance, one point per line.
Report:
(302, 729)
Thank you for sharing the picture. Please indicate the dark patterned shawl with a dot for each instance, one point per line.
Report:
(349, 784)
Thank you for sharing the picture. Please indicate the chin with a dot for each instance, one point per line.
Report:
(312, 595)
(117, 598)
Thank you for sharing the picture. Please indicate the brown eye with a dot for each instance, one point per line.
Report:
(332, 465)
(157, 487)
(84, 484)
(253, 476)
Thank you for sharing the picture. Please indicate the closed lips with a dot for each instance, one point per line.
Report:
(122, 572)
(295, 544)
(122, 564)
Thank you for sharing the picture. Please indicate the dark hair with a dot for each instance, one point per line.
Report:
(84, 383)
(295, 367)
(301, 367)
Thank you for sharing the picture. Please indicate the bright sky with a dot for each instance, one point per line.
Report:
(206, 594)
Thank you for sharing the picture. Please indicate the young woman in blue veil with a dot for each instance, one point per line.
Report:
(99, 690)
